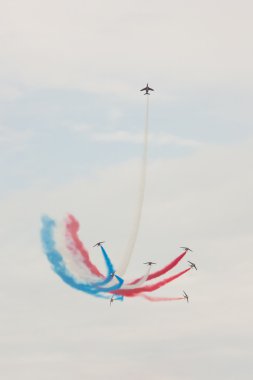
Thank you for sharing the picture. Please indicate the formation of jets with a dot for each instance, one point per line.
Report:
(192, 265)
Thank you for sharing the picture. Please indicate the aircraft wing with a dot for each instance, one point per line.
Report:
(151, 89)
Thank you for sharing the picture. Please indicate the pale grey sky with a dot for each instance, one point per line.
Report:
(71, 119)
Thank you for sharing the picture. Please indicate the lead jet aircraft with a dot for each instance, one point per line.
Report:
(186, 296)
(147, 89)
(99, 244)
(187, 249)
(149, 263)
(192, 265)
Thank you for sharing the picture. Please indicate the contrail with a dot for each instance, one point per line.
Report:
(136, 224)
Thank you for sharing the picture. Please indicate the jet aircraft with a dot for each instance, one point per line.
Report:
(185, 296)
(192, 265)
(111, 300)
(99, 244)
(147, 89)
(149, 263)
(187, 249)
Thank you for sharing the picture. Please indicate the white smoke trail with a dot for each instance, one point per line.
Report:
(73, 262)
(140, 282)
(136, 224)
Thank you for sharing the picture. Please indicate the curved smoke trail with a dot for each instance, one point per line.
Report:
(60, 267)
(75, 244)
(136, 224)
(74, 268)
(149, 288)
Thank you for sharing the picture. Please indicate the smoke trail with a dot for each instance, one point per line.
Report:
(72, 258)
(77, 249)
(133, 237)
(59, 267)
(111, 276)
(55, 257)
(150, 288)
(107, 261)
(75, 243)
(114, 286)
(163, 270)
(159, 299)
(140, 281)
(70, 266)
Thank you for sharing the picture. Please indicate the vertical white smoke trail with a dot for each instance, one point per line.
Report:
(136, 223)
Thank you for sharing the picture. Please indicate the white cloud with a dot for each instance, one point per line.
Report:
(137, 138)
(9, 92)
(13, 140)
(80, 128)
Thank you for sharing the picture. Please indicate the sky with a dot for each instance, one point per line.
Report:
(71, 125)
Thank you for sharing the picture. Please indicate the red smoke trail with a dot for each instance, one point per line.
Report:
(150, 288)
(159, 299)
(72, 230)
(163, 270)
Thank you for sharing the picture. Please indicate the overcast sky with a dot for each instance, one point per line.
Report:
(71, 123)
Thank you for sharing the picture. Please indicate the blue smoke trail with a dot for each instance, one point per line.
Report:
(115, 287)
(58, 264)
(107, 261)
(110, 272)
